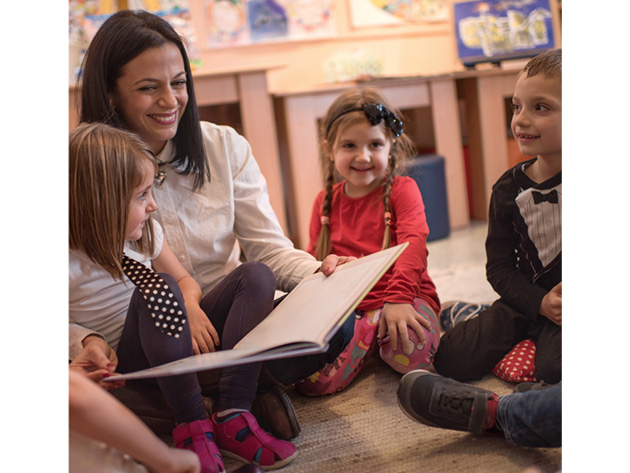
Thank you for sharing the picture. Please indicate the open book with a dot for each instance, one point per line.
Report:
(302, 324)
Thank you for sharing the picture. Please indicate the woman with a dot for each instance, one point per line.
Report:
(212, 199)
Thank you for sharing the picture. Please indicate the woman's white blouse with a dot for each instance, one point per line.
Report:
(207, 228)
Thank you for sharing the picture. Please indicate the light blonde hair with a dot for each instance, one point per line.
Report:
(340, 115)
(549, 64)
(106, 166)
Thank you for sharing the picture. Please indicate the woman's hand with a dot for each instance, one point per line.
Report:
(205, 338)
(331, 262)
(394, 321)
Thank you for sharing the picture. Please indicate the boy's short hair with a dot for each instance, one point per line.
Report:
(549, 64)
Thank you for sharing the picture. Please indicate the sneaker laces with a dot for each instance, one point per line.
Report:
(467, 409)
(454, 402)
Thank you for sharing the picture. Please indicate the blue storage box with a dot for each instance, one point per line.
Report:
(428, 172)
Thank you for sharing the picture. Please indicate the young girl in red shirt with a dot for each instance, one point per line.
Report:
(371, 208)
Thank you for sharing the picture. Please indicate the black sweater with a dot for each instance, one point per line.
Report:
(524, 244)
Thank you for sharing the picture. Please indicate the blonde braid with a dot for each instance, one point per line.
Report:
(323, 241)
(387, 190)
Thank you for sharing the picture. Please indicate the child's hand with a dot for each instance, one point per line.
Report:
(97, 360)
(331, 262)
(395, 320)
(204, 336)
(181, 461)
(551, 305)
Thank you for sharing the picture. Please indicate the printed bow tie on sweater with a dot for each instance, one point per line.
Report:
(168, 317)
(551, 197)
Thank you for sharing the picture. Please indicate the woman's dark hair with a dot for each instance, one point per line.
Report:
(123, 37)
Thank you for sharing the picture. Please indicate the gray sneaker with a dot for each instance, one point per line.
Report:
(437, 401)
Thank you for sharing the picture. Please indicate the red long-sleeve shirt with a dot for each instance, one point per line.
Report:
(357, 227)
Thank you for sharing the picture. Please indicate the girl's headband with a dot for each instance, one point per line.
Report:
(375, 113)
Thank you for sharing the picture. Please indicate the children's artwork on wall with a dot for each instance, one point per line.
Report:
(374, 13)
(87, 16)
(77, 11)
(267, 20)
(239, 22)
(354, 64)
(226, 21)
(157, 5)
(494, 30)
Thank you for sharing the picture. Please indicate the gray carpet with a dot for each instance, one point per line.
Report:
(362, 429)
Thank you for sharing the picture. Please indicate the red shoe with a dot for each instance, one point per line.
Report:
(199, 437)
(241, 438)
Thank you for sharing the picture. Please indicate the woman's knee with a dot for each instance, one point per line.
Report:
(172, 283)
(257, 276)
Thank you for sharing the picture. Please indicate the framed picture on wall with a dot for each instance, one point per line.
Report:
(375, 13)
(241, 22)
(496, 30)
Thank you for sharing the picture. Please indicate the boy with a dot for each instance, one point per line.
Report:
(524, 243)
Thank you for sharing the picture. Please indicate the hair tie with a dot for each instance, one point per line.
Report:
(375, 113)
(388, 218)
(325, 220)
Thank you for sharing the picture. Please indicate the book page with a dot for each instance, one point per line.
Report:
(319, 303)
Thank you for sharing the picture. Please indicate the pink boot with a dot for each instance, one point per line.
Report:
(335, 376)
(199, 437)
(240, 437)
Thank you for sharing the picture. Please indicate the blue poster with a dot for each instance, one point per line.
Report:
(267, 20)
(493, 30)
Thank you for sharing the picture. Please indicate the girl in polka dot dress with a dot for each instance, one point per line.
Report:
(139, 318)
(371, 208)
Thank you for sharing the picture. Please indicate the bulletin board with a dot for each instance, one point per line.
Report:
(87, 16)
(242, 22)
(374, 13)
(493, 30)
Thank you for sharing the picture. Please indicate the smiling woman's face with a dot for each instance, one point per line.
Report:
(151, 95)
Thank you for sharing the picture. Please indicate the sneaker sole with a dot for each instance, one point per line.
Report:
(275, 466)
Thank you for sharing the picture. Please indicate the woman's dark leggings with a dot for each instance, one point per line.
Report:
(235, 306)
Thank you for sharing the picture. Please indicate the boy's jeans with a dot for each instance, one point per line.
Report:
(532, 418)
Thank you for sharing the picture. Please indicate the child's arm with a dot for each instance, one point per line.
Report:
(204, 335)
(404, 285)
(99, 416)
